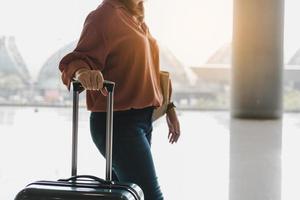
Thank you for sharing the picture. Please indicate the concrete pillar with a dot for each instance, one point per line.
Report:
(257, 59)
(255, 159)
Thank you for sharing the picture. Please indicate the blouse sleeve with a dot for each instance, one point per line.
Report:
(89, 53)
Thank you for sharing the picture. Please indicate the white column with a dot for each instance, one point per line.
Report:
(257, 59)
(255, 159)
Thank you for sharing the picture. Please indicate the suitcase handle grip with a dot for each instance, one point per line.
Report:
(74, 178)
(109, 85)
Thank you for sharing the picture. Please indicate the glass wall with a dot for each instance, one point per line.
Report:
(35, 117)
(292, 57)
(194, 46)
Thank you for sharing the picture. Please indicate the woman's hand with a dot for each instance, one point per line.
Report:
(174, 126)
(91, 80)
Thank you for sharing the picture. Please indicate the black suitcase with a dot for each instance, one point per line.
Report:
(85, 187)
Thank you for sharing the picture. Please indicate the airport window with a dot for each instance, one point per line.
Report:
(195, 43)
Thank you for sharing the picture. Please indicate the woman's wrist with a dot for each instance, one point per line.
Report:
(171, 114)
(170, 106)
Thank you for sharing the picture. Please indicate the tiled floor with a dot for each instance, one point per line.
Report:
(217, 158)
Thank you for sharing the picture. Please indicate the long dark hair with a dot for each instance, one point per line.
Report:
(136, 10)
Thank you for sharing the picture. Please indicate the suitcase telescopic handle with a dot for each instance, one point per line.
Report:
(77, 88)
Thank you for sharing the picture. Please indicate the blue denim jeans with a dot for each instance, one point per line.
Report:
(132, 158)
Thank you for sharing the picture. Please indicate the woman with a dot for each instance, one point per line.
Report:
(116, 45)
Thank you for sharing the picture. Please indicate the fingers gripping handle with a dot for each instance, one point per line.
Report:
(109, 85)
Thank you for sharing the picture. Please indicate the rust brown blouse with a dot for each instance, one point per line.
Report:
(112, 42)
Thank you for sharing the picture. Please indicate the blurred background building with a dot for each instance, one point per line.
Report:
(15, 81)
(196, 87)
